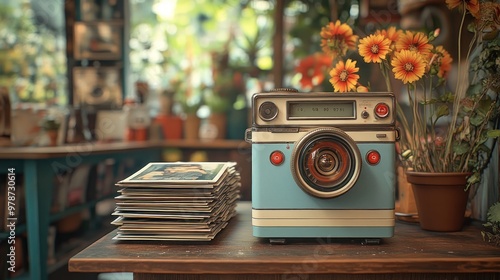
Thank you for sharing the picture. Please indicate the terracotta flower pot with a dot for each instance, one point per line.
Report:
(172, 126)
(441, 199)
(53, 135)
(191, 127)
(219, 123)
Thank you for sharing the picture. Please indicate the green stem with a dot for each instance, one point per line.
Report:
(447, 160)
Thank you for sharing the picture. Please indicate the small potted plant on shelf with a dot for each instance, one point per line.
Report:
(221, 96)
(446, 133)
(190, 102)
(51, 128)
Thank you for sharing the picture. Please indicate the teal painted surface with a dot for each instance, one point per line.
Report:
(39, 177)
(323, 232)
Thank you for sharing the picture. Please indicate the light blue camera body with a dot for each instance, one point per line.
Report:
(323, 165)
(273, 188)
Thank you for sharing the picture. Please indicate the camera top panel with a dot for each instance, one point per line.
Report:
(286, 108)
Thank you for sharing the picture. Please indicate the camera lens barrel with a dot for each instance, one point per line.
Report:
(326, 162)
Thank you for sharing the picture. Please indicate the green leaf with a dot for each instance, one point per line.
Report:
(441, 111)
(484, 106)
(473, 179)
(493, 133)
(493, 214)
(474, 89)
(461, 148)
(477, 120)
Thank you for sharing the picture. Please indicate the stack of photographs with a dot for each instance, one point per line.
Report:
(181, 201)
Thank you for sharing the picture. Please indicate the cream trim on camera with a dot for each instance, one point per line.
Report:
(323, 218)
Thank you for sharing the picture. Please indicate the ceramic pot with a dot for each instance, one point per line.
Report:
(218, 121)
(53, 135)
(441, 199)
(237, 123)
(172, 126)
(191, 126)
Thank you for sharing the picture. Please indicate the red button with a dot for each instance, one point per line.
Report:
(373, 157)
(382, 110)
(277, 158)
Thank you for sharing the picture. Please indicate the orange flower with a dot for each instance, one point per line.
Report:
(442, 60)
(471, 5)
(408, 66)
(337, 38)
(312, 69)
(374, 48)
(361, 88)
(344, 77)
(392, 34)
(414, 42)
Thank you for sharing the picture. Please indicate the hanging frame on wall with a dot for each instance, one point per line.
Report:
(98, 40)
(99, 87)
(101, 10)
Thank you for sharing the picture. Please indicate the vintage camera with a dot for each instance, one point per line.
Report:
(323, 165)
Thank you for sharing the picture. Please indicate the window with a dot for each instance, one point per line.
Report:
(32, 51)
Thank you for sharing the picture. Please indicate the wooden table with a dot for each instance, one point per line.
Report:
(236, 254)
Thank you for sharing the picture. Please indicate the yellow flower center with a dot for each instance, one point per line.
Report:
(409, 67)
(343, 75)
(413, 48)
(374, 48)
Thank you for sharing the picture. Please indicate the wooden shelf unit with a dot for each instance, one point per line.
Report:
(38, 165)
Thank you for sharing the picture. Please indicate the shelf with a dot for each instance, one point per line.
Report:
(19, 230)
(35, 163)
(78, 208)
(98, 148)
(57, 216)
(72, 247)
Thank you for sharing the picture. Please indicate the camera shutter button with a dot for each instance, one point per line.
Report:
(381, 110)
(277, 158)
(373, 157)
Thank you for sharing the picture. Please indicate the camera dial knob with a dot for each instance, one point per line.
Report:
(268, 111)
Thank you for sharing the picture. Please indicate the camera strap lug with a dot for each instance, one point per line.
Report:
(248, 135)
(398, 134)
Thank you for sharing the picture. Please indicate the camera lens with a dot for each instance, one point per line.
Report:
(326, 162)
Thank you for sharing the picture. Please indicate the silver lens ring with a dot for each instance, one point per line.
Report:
(326, 162)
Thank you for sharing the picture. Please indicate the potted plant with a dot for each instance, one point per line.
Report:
(190, 103)
(446, 131)
(222, 95)
(467, 116)
(491, 233)
(51, 128)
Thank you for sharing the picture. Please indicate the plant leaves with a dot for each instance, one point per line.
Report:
(441, 111)
(474, 88)
(494, 213)
(484, 106)
(477, 120)
(493, 133)
(461, 148)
